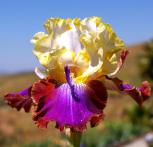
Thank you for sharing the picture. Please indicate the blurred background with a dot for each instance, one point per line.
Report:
(129, 125)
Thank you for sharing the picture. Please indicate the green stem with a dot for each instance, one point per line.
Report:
(75, 138)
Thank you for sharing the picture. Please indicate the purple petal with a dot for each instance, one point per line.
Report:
(20, 100)
(125, 86)
(60, 105)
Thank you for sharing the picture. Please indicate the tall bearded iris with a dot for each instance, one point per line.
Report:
(81, 58)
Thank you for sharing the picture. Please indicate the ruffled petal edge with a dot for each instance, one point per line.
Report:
(139, 94)
(20, 100)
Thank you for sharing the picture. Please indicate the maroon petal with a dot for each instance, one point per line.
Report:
(20, 100)
(69, 107)
(100, 99)
(42, 88)
(145, 89)
(139, 94)
(95, 120)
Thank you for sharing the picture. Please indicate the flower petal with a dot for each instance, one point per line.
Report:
(139, 94)
(70, 39)
(100, 90)
(120, 63)
(20, 100)
(40, 73)
(56, 25)
(102, 45)
(57, 103)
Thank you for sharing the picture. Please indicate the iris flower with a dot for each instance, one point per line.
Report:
(80, 59)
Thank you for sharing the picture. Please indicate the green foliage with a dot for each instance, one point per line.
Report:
(136, 122)
(45, 143)
(113, 134)
(146, 62)
(142, 116)
(137, 114)
(75, 138)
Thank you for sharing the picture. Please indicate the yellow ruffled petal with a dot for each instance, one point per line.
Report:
(89, 74)
(89, 47)
(82, 59)
(55, 25)
(44, 44)
(81, 62)
(61, 34)
(49, 59)
(90, 24)
(102, 45)
(88, 42)
(67, 58)
(111, 45)
(38, 36)
(109, 41)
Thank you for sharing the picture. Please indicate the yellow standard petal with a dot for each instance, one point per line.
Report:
(89, 47)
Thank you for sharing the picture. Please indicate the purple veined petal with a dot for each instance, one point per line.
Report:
(20, 100)
(67, 75)
(69, 105)
(139, 94)
(58, 104)
(125, 86)
(70, 83)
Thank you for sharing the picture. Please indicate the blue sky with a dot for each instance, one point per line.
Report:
(132, 20)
